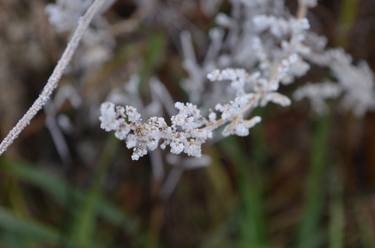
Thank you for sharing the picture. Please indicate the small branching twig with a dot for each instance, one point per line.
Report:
(55, 77)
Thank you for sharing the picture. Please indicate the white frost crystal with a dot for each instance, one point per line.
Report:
(108, 117)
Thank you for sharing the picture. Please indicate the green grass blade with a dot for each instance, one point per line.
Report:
(29, 229)
(348, 13)
(153, 55)
(61, 192)
(85, 220)
(252, 219)
(308, 233)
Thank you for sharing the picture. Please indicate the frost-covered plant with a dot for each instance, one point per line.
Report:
(317, 94)
(256, 36)
(254, 51)
(354, 82)
(160, 104)
(189, 129)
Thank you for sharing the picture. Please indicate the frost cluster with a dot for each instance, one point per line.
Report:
(355, 83)
(186, 134)
(189, 129)
(256, 36)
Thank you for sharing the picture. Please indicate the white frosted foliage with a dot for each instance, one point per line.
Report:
(317, 94)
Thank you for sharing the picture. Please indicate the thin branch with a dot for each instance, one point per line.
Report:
(55, 77)
(302, 9)
(171, 182)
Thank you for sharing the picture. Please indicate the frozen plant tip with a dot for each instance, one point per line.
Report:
(189, 129)
(186, 134)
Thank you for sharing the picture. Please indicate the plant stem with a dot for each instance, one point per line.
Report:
(252, 226)
(85, 222)
(55, 77)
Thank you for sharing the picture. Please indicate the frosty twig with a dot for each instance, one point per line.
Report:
(55, 77)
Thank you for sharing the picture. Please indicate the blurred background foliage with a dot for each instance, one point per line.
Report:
(297, 181)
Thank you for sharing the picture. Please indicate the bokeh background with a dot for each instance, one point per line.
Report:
(299, 180)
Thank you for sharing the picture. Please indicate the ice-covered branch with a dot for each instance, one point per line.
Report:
(189, 129)
(55, 77)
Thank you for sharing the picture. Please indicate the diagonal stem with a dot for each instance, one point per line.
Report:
(55, 77)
